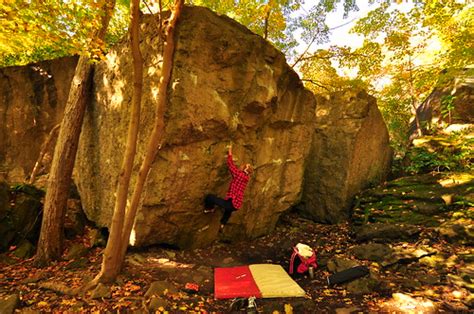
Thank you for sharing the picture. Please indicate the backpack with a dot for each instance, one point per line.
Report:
(302, 258)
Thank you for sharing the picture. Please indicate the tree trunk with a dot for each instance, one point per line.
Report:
(158, 129)
(266, 21)
(122, 226)
(44, 148)
(412, 97)
(50, 245)
(111, 264)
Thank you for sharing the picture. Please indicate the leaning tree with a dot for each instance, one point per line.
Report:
(124, 216)
(50, 245)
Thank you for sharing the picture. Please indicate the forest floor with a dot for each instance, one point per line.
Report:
(424, 286)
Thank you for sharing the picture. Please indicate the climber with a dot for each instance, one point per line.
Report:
(235, 194)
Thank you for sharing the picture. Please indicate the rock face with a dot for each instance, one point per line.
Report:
(32, 103)
(228, 85)
(450, 102)
(427, 199)
(21, 215)
(349, 151)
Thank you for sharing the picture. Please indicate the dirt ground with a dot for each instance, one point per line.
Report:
(174, 268)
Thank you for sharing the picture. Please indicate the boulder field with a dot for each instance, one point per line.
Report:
(228, 85)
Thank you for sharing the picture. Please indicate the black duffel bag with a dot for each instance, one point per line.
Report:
(348, 275)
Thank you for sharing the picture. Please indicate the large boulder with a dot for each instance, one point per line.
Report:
(349, 152)
(32, 103)
(227, 85)
(21, 218)
(449, 103)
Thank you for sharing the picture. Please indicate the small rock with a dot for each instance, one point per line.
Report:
(78, 306)
(5, 259)
(301, 305)
(98, 237)
(136, 259)
(24, 250)
(101, 291)
(372, 251)
(77, 263)
(410, 283)
(170, 254)
(197, 278)
(76, 251)
(347, 310)
(9, 304)
(448, 198)
(205, 271)
(227, 260)
(458, 231)
(361, 286)
(57, 287)
(338, 264)
(33, 279)
(156, 303)
(426, 208)
(159, 288)
(323, 261)
(385, 232)
(429, 279)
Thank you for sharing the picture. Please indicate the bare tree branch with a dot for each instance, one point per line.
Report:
(300, 58)
(316, 83)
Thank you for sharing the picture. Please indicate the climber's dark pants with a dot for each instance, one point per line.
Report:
(211, 200)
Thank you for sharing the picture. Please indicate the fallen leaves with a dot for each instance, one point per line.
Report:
(42, 304)
(127, 293)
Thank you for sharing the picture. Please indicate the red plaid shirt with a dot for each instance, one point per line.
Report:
(237, 185)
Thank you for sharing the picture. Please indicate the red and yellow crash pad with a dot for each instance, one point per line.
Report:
(258, 280)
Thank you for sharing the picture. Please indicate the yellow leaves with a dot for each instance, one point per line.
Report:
(42, 304)
(67, 302)
(133, 287)
(122, 303)
(47, 29)
(287, 308)
(347, 301)
(327, 292)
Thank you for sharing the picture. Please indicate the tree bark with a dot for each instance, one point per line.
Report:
(266, 21)
(111, 264)
(412, 97)
(44, 148)
(50, 245)
(157, 134)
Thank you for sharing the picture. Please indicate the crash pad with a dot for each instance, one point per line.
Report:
(258, 280)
